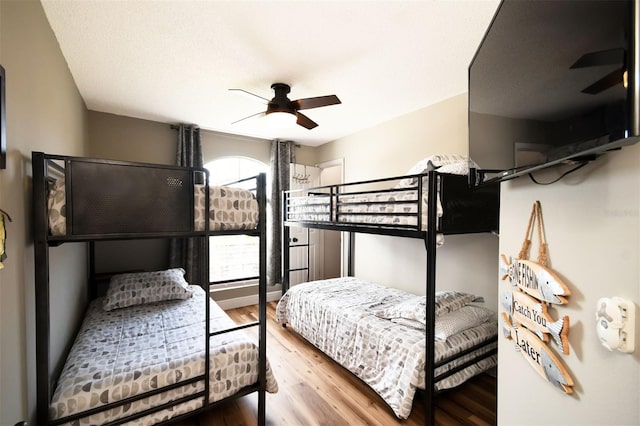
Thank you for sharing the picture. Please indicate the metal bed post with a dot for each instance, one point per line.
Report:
(204, 242)
(308, 253)
(351, 249)
(41, 261)
(262, 302)
(430, 242)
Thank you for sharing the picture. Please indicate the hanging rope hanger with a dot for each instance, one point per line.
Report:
(536, 216)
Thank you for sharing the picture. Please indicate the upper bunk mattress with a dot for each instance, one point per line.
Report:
(342, 317)
(125, 352)
(229, 209)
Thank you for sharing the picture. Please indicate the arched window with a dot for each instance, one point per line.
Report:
(232, 257)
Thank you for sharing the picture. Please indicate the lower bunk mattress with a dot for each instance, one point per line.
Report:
(125, 352)
(378, 333)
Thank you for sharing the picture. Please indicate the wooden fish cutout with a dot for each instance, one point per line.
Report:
(535, 280)
(533, 314)
(539, 355)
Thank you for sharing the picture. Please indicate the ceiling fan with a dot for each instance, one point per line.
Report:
(282, 106)
(604, 57)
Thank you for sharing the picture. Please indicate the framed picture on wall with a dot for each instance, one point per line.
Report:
(3, 121)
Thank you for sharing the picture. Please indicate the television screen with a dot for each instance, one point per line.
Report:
(549, 84)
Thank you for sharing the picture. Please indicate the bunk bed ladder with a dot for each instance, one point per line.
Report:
(285, 244)
(261, 198)
(294, 243)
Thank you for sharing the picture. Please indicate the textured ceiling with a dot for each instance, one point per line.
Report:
(174, 61)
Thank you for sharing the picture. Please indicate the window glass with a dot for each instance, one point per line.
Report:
(230, 169)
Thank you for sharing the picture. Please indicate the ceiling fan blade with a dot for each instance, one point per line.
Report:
(320, 101)
(305, 121)
(252, 115)
(602, 57)
(249, 94)
(605, 82)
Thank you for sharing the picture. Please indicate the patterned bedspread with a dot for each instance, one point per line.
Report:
(125, 352)
(229, 209)
(337, 316)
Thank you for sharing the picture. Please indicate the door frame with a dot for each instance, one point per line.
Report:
(339, 162)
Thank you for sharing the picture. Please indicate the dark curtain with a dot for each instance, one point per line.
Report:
(184, 252)
(282, 154)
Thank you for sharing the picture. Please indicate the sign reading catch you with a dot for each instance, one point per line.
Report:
(532, 313)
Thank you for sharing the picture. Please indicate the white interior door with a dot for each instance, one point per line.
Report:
(330, 241)
(304, 243)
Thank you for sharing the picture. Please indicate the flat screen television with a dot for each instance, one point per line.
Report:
(553, 82)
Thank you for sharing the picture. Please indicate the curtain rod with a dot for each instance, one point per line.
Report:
(176, 127)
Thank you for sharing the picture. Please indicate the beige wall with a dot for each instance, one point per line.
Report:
(44, 113)
(131, 139)
(592, 223)
(117, 137)
(390, 149)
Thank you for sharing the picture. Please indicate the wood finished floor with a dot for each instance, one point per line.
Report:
(314, 390)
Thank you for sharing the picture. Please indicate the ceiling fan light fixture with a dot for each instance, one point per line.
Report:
(281, 119)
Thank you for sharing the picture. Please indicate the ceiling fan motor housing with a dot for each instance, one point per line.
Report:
(280, 102)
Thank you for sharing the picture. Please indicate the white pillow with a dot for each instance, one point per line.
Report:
(458, 168)
(444, 163)
(461, 319)
(146, 287)
(422, 166)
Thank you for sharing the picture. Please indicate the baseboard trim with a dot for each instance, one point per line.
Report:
(239, 302)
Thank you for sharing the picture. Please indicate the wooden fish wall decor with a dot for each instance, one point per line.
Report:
(535, 280)
(538, 355)
(533, 314)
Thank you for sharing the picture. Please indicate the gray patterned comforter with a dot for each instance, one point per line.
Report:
(125, 352)
(385, 208)
(337, 316)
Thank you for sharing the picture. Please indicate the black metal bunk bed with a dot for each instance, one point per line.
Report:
(140, 201)
(466, 211)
